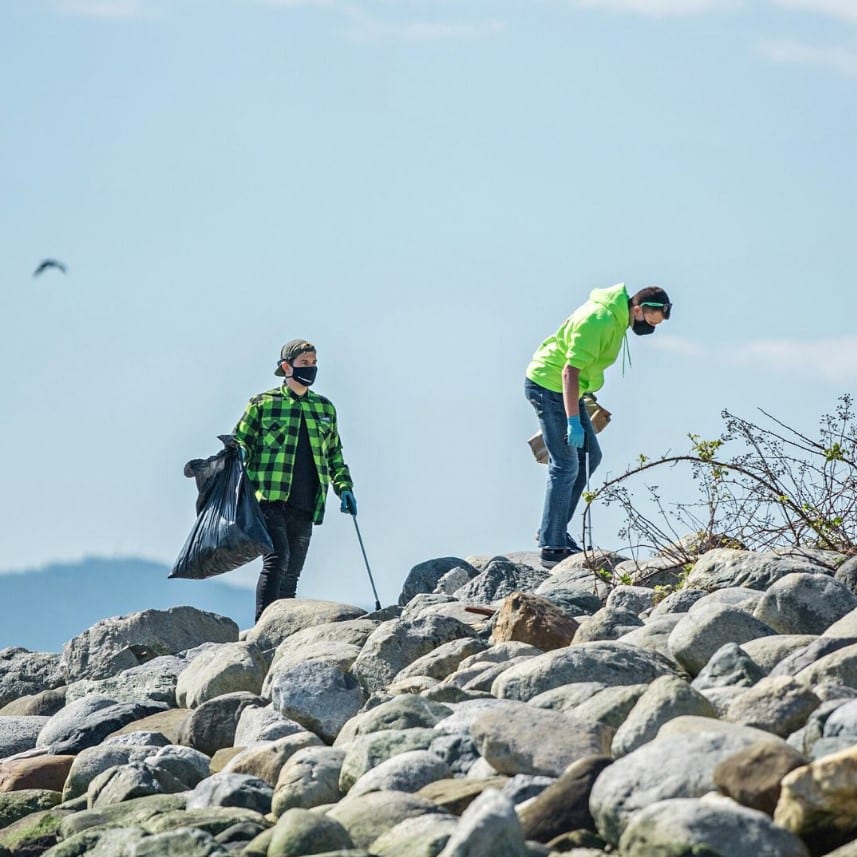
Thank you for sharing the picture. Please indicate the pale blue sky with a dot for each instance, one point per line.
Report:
(425, 190)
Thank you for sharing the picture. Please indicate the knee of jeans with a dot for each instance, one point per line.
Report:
(563, 466)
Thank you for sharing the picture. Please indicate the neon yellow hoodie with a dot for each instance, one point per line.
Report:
(589, 340)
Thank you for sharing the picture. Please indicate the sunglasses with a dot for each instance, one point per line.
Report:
(665, 308)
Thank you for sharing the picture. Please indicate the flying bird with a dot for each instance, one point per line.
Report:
(49, 263)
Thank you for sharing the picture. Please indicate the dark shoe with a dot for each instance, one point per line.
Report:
(569, 542)
(551, 556)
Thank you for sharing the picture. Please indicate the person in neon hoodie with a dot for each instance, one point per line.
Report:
(565, 366)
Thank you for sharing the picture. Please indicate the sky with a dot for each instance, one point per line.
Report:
(425, 189)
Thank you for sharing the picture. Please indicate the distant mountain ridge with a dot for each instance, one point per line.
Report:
(44, 608)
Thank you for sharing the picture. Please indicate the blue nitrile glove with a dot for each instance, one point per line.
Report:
(574, 435)
(348, 504)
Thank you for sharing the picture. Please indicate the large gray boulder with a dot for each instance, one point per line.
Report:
(729, 666)
(665, 698)
(845, 627)
(804, 603)
(299, 832)
(500, 578)
(663, 570)
(309, 778)
(780, 705)
(610, 706)
(566, 577)
(480, 675)
(266, 759)
(369, 816)
(184, 763)
(404, 772)
(423, 606)
(329, 651)
(399, 642)
(89, 763)
(287, 616)
(842, 721)
(421, 836)
(400, 712)
(608, 662)
(500, 652)
(319, 695)
(366, 752)
(633, 599)
(729, 596)
(229, 789)
(805, 656)
(660, 769)
(124, 782)
(679, 601)
(712, 825)
(462, 715)
(211, 727)
(609, 623)
(228, 668)
(573, 601)
(88, 721)
(263, 724)
(155, 681)
(187, 842)
(425, 576)
(654, 635)
(445, 659)
(350, 632)
(839, 667)
(20, 733)
(117, 644)
(45, 703)
(130, 813)
(23, 672)
(724, 567)
(516, 738)
(805, 739)
(847, 573)
(702, 632)
(567, 697)
(489, 827)
(768, 652)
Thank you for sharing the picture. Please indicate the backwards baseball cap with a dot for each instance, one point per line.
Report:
(291, 350)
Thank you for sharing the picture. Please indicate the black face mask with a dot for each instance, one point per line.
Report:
(304, 374)
(642, 327)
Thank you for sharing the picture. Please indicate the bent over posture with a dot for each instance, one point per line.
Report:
(290, 444)
(565, 367)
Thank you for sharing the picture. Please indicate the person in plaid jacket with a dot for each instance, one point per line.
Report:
(290, 446)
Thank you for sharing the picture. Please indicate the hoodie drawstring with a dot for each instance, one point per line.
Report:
(626, 353)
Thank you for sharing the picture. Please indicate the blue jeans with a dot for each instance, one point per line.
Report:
(566, 465)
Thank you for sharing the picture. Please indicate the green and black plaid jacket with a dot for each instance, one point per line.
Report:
(269, 431)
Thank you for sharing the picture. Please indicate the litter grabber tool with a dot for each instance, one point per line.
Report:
(587, 518)
(365, 560)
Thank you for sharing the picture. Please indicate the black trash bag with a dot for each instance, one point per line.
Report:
(230, 529)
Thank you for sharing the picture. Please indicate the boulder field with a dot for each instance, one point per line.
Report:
(497, 710)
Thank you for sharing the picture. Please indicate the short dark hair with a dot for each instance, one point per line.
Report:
(650, 294)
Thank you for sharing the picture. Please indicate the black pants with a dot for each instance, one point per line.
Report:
(290, 530)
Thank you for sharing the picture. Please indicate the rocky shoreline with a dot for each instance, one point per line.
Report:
(497, 711)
